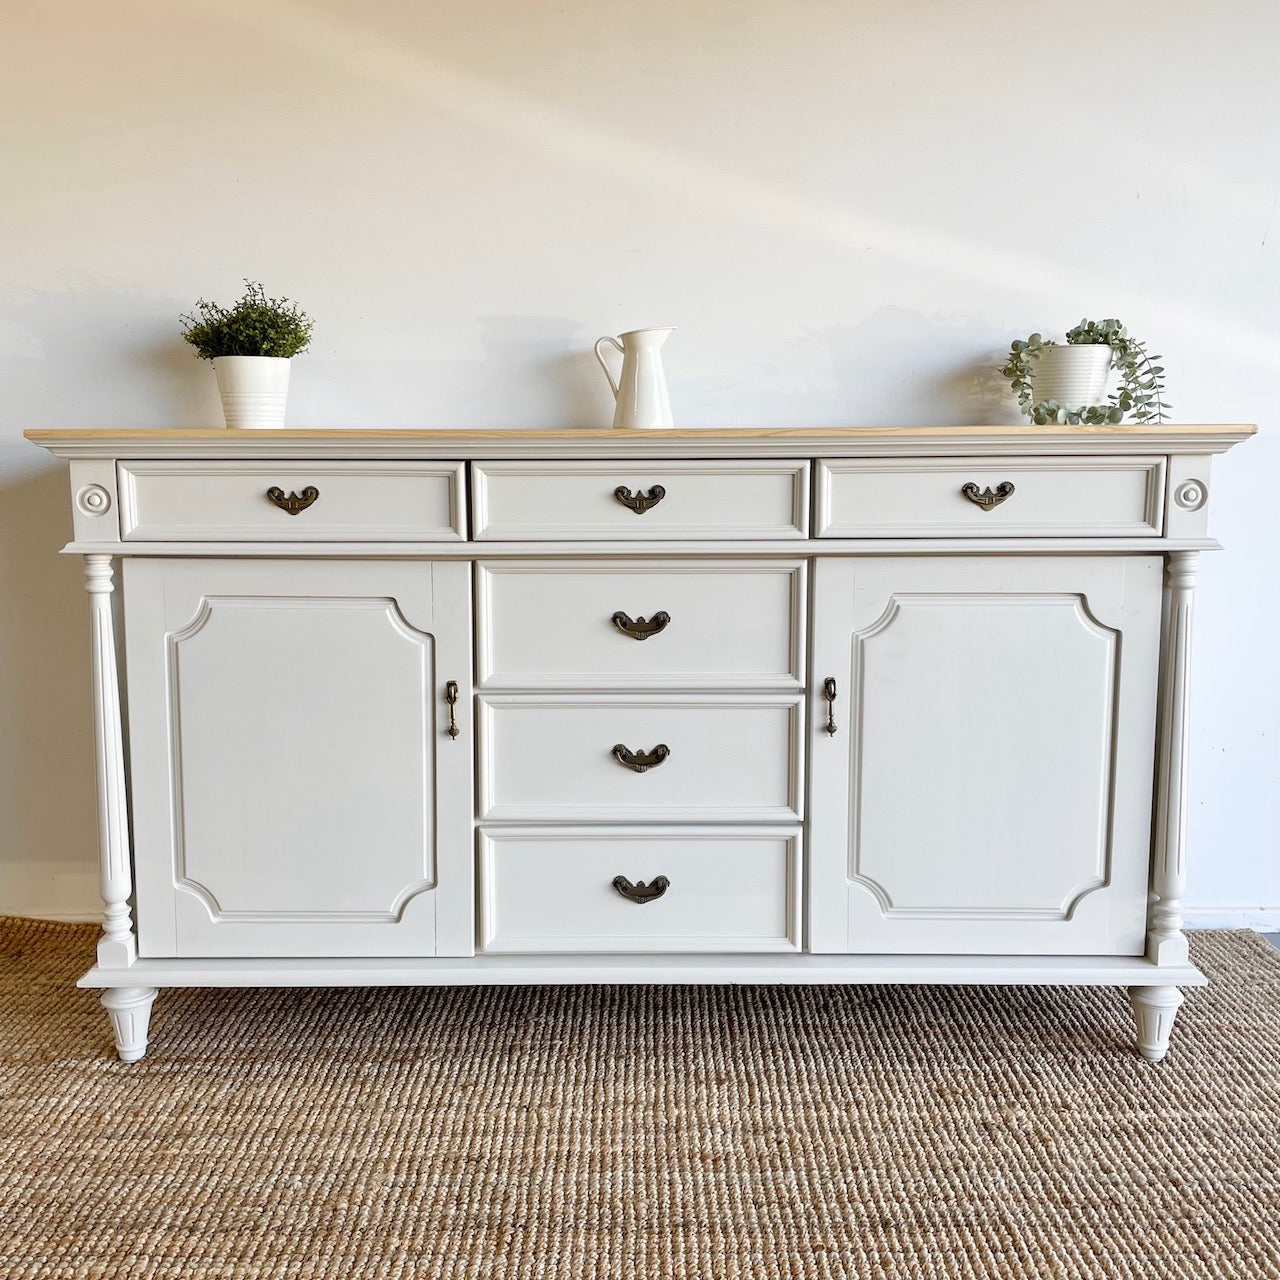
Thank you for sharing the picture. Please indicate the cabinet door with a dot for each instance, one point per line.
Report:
(295, 788)
(988, 786)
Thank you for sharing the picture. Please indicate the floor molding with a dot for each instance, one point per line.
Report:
(67, 894)
(58, 917)
(1260, 919)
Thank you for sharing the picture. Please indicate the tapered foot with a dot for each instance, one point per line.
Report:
(1154, 1009)
(130, 1010)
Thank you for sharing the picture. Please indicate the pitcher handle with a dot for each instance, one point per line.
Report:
(614, 342)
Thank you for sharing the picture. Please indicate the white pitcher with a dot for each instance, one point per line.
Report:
(641, 388)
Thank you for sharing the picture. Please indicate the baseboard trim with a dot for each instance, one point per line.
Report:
(1260, 919)
(57, 917)
(35, 891)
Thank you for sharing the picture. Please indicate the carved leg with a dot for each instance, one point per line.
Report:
(1154, 1009)
(117, 948)
(1166, 943)
(130, 1010)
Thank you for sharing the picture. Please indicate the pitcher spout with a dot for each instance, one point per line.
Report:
(647, 337)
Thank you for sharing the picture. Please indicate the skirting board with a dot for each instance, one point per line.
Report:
(43, 891)
(1259, 919)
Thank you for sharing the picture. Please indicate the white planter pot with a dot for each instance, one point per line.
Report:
(1074, 376)
(254, 390)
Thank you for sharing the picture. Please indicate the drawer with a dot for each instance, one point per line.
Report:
(354, 501)
(729, 889)
(1047, 497)
(639, 500)
(724, 624)
(721, 759)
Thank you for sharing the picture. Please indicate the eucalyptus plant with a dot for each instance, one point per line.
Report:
(1141, 389)
(254, 326)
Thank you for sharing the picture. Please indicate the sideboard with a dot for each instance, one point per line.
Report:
(441, 707)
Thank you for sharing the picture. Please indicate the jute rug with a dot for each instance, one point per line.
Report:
(612, 1133)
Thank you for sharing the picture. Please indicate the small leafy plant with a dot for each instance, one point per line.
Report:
(254, 326)
(1141, 389)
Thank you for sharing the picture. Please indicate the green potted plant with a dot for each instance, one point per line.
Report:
(1067, 384)
(250, 344)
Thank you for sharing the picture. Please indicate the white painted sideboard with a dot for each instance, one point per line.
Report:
(424, 707)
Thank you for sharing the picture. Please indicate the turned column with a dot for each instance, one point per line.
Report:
(117, 947)
(128, 1007)
(1166, 943)
(1156, 1007)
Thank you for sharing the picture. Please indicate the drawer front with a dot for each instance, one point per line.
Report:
(1015, 497)
(730, 889)
(353, 501)
(722, 759)
(549, 624)
(639, 500)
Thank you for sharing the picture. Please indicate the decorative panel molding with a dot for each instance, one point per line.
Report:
(748, 499)
(548, 624)
(549, 889)
(228, 501)
(1047, 497)
(326, 729)
(1002, 766)
(549, 757)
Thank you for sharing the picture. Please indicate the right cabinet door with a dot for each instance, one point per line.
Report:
(987, 789)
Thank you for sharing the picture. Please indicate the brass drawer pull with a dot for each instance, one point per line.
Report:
(641, 761)
(639, 628)
(829, 692)
(639, 502)
(641, 892)
(295, 502)
(988, 497)
(451, 697)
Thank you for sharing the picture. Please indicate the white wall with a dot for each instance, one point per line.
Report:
(848, 209)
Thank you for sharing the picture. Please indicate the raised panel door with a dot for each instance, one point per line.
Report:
(988, 786)
(296, 789)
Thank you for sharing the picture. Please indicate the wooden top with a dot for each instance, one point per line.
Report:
(684, 442)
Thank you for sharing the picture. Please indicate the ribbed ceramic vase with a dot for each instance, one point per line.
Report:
(253, 389)
(1075, 375)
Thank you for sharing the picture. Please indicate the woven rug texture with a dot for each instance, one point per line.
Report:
(622, 1133)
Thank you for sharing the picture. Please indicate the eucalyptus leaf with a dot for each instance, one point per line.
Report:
(1141, 389)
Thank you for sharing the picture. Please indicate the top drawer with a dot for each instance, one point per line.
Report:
(640, 500)
(990, 497)
(291, 501)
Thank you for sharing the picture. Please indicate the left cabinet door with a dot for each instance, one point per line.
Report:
(296, 789)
